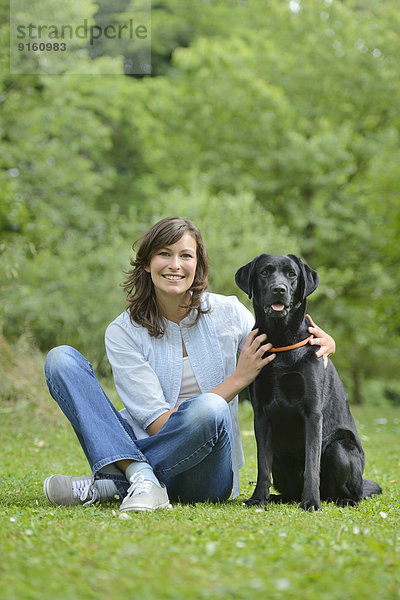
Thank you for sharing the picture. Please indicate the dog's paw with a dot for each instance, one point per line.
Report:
(310, 505)
(347, 503)
(256, 501)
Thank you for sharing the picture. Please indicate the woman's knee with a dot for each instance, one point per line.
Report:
(209, 408)
(58, 359)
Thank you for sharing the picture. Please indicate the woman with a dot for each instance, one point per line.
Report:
(173, 355)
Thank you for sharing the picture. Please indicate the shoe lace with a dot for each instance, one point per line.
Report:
(85, 491)
(139, 485)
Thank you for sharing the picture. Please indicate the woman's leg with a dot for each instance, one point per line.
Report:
(192, 453)
(195, 441)
(211, 480)
(103, 434)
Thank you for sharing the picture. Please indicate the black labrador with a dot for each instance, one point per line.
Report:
(306, 436)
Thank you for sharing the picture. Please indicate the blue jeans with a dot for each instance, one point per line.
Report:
(191, 454)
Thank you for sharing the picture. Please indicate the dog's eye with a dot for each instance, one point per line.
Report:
(292, 274)
(265, 273)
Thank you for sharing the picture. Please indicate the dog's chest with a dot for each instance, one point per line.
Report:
(280, 404)
(281, 384)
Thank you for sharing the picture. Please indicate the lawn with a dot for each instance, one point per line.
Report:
(189, 552)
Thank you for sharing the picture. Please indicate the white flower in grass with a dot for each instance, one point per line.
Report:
(294, 6)
(211, 548)
(282, 584)
(124, 517)
(256, 584)
(383, 515)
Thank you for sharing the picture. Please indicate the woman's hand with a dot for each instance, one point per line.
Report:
(251, 360)
(322, 339)
(249, 365)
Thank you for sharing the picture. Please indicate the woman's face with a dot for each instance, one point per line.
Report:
(173, 268)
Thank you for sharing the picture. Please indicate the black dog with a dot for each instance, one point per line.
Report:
(306, 436)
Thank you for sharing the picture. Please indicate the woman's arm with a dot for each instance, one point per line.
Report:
(156, 425)
(137, 384)
(249, 365)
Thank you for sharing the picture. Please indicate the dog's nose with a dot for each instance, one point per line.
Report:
(279, 290)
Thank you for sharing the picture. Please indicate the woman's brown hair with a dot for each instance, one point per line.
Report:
(141, 299)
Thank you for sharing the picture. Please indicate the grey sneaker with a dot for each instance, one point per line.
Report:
(63, 490)
(144, 495)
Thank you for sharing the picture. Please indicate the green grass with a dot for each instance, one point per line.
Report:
(190, 552)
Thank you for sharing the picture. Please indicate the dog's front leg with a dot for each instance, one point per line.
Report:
(262, 431)
(310, 499)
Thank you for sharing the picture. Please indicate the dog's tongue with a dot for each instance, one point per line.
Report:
(278, 307)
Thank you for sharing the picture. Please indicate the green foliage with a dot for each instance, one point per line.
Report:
(68, 295)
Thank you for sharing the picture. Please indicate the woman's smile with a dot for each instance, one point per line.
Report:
(173, 277)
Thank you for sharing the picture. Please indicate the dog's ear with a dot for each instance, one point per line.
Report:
(310, 278)
(245, 275)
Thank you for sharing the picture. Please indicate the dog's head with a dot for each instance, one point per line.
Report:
(277, 282)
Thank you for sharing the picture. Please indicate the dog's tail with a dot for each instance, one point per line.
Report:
(370, 488)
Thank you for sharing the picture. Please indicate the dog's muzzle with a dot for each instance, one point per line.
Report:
(277, 310)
